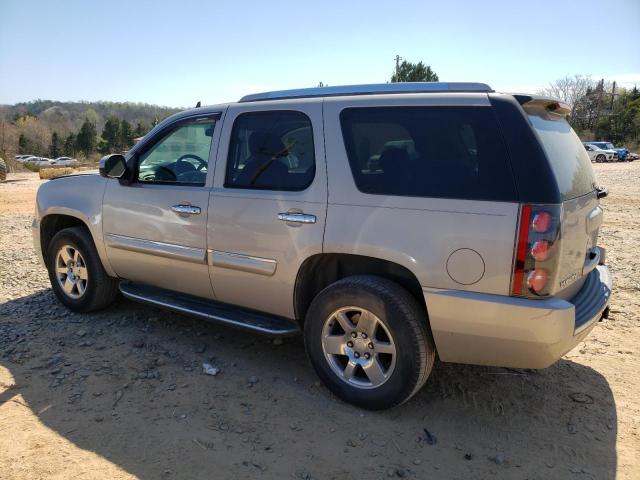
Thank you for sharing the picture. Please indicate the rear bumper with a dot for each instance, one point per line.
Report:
(514, 332)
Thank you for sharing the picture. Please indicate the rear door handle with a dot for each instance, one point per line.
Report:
(296, 217)
(186, 209)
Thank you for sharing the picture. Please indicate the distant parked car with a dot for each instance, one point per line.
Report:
(21, 158)
(66, 162)
(39, 161)
(623, 153)
(599, 155)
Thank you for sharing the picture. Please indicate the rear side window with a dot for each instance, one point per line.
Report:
(446, 152)
(567, 155)
(271, 151)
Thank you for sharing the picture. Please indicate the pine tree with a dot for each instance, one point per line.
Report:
(69, 147)
(87, 138)
(126, 135)
(141, 130)
(54, 147)
(414, 72)
(23, 144)
(111, 135)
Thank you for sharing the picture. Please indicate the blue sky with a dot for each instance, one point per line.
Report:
(178, 52)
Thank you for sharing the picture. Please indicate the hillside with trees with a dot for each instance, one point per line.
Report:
(77, 129)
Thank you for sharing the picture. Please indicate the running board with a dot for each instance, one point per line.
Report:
(211, 310)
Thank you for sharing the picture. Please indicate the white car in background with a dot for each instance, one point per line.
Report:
(65, 162)
(39, 161)
(596, 154)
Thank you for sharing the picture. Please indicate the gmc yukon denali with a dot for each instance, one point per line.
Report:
(387, 223)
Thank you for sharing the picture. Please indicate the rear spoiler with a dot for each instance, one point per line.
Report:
(551, 105)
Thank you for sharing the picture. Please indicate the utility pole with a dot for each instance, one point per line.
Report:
(600, 89)
(613, 95)
(398, 58)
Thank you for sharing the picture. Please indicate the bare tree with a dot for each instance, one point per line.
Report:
(569, 89)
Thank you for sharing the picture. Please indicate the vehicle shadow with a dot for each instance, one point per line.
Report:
(127, 384)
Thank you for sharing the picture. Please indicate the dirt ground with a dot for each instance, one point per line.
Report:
(121, 393)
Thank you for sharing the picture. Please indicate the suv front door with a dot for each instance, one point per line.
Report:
(155, 228)
(268, 202)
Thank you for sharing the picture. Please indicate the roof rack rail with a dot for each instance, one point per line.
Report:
(370, 89)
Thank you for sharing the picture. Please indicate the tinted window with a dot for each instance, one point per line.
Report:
(450, 152)
(569, 160)
(182, 156)
(271, 151)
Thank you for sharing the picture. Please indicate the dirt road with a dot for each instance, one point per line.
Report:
(121, 393)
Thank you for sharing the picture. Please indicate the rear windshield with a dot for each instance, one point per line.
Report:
(569, 160)
(446, 152)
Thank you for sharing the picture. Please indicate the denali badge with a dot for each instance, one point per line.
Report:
(570, 279)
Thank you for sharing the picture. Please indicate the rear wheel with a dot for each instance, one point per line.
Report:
(368, 340)
(601, 158)
(76, 273)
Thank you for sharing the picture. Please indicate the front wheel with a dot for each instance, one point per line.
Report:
(601, 159)
(368, 340)
(76, 273)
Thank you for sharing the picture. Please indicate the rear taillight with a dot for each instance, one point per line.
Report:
(536, 249)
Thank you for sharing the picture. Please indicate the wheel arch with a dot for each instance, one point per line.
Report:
(53, 222)
(320, 270)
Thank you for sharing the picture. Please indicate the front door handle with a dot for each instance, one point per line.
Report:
(296, 217)
(186, 209)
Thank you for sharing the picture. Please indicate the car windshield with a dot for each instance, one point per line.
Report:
(609, 146)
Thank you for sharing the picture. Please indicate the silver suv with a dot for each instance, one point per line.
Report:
(386, 222)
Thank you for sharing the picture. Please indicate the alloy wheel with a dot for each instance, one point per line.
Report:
(358, 347)
(71, 271)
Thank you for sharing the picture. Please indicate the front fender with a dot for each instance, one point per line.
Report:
(79, 197)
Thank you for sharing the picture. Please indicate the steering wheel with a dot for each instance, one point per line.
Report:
(201, 162)
(162, 174)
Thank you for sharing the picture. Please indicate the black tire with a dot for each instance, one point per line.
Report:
(101, 289)
(400, 314)
(601, 158)
(3, 170)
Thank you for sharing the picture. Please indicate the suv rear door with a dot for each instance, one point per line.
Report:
(268, 203)
(581, 213)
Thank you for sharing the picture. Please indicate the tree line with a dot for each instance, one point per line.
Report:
(75, 129)
(600, 110)
(117, 136)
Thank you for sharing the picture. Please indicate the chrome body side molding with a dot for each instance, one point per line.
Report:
(244, 263)
(160, 249)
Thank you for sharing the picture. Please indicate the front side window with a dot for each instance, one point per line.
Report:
(271, 151)
(181, 157)
(444, 152)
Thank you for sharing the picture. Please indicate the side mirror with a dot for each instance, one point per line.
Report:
(113, 166)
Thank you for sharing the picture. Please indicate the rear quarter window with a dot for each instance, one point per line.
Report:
(567, 156)
(444, 152)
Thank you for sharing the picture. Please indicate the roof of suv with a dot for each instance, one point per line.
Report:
(370, 89)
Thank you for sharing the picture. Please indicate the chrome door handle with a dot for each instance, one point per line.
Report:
(297, 217)
(186, 209)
